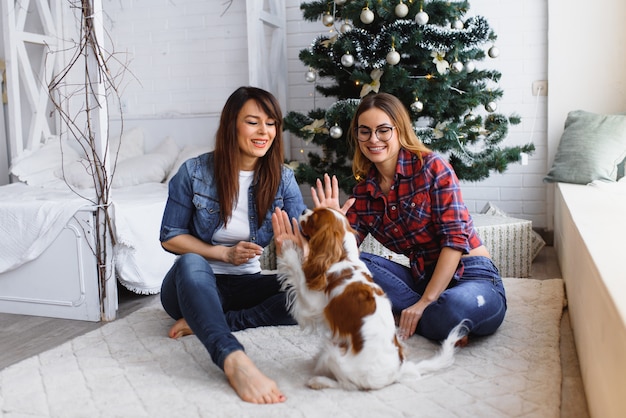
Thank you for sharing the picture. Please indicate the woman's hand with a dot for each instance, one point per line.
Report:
(287, 230)
(326, 195)
(447, 263)
(409, 319)
(242, 252)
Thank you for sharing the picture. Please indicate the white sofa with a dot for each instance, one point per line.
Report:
(590, 230)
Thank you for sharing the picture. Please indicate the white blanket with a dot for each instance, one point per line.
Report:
(140, 261)
(30, 220)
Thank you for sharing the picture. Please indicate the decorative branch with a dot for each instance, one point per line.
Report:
(80, 94)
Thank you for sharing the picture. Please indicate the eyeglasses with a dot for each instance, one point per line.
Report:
(383, 133)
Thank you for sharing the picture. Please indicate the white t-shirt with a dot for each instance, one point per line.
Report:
(237, 229)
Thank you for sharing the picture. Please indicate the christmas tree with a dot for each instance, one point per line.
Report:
(424, 52)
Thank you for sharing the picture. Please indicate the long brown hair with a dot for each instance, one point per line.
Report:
(267, 173)
(400, 118)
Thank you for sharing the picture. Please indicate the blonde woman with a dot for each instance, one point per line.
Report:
(409, 199)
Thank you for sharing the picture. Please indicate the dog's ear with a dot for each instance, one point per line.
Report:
(325, 248)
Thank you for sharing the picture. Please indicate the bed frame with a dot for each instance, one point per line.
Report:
(62, 282)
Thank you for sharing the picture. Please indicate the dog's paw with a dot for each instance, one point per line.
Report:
(322, 382)
(288, 245)
(290, 256)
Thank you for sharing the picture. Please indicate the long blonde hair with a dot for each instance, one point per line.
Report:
(400, 118)
(267, 173)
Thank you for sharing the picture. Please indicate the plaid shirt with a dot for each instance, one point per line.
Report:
(422, 213)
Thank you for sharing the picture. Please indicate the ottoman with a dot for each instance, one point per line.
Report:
(509, 240)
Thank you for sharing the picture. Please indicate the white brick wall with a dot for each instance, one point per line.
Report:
(189, 55)
(186, 56)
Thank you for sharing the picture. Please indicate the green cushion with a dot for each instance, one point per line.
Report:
(591, 148)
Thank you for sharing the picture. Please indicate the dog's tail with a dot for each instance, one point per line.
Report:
(442, 359)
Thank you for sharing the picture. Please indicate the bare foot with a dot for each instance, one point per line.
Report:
(250, 384)
(180, 329)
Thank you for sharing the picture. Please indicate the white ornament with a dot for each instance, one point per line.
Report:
(340, 2)
(491, 107)
(393, 57)
(470, 118)
(336, 132)
(310, 76)
(345, 28)
(417, 106)
(494, 52)
(367, 16)
(402, 10)
(456, 67)
(347, 60)
(470, 66)
(421, 18)
(328, 19)
(457, 24)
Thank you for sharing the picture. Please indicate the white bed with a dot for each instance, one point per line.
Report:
(47, 266)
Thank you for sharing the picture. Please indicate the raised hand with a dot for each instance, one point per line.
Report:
(326, 194)
(287, 230)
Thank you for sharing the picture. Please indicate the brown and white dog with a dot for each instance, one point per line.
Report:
(332, 291)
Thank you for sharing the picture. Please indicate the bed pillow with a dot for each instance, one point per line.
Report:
(130, 144)
(591, 148)
(148, 168)
(76, 174)
(37, 168)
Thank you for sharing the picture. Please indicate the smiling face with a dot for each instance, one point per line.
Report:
(381, 153)
(255, 134)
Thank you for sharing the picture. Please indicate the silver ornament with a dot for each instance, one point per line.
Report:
(336, 132)
(402, 10)
(340, 2)
(470, 118)
(393, 57)
(328, 19)
(494, 52)
(456, 67)
(347, 60)
(417, 106)
(457, 24)
(345, 28)
(310, 76)
(421, 18)
(367, 16)
(491, 107)
(470, 66)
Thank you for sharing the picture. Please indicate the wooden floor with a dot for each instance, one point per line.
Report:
(24, 336)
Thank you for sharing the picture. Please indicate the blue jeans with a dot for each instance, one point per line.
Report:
(215, 305)
(477, 297)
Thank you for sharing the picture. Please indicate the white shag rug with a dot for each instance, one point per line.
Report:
(129, 368)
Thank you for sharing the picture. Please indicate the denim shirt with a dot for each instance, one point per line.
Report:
(193, 206)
